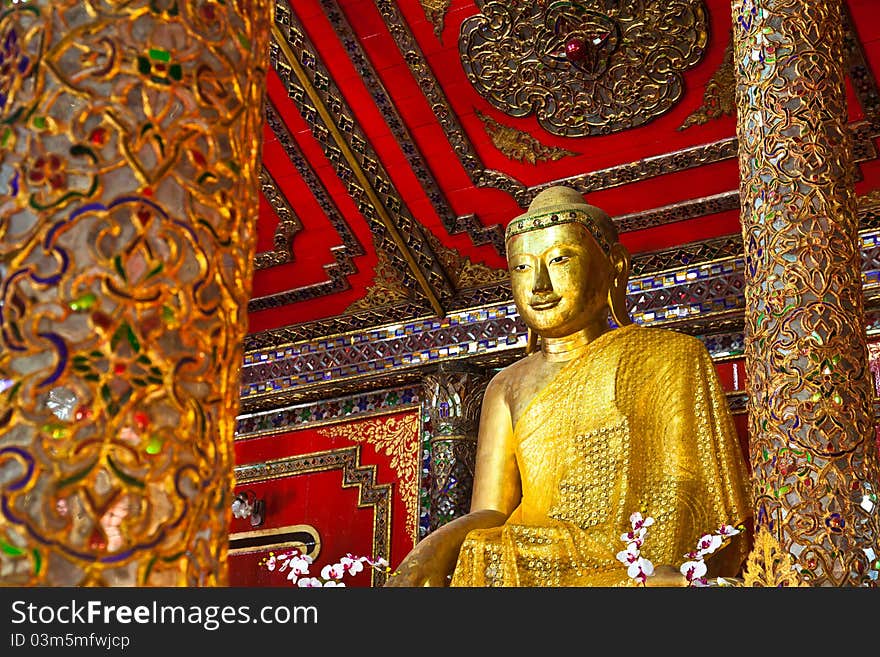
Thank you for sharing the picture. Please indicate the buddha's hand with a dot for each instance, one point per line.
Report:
(665, 575)
(421, 567)
(431, 562)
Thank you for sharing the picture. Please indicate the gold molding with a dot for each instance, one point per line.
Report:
(288, 224)
(279, 545)
(275, 431)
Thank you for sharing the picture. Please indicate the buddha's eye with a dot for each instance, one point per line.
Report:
(559, 259)
(521, 267)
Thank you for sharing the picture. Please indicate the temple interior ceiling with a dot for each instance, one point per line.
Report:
(401, 137)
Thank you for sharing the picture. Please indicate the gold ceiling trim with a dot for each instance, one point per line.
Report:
(288, 224)
(351, 160)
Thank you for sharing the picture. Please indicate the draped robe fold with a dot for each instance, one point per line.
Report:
(638, 422)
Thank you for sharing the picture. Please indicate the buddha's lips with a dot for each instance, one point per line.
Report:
(545, 305)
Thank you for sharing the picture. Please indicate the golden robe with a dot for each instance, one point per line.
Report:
(638, 422)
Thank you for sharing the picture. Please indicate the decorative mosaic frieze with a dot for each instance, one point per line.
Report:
(298, 416)
(675, 296)
(309, 364)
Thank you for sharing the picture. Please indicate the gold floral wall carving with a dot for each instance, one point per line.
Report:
(463, 272)
(398, 438)
(435, 12)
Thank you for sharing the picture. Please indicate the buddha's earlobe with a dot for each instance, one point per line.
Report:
(532, 341)
(617, 290)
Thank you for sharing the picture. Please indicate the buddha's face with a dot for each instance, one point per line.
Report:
(560, 279)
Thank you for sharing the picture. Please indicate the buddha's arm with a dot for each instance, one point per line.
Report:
(496, 494)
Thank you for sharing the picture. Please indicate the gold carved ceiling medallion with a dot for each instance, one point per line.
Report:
(583, 68)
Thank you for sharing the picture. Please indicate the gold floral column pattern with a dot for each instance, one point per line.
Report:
(129, 133)
(815, 470)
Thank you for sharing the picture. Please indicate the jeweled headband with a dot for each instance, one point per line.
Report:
(563, 214)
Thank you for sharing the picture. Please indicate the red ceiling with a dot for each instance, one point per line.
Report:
(312, 244)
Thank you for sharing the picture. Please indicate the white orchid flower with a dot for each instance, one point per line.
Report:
(310, 582)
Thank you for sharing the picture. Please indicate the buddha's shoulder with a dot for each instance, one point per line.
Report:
(517, 368)
(654, 342)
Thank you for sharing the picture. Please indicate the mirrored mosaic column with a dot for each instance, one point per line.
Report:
(810, 393)
(451, 402)
(129, 137)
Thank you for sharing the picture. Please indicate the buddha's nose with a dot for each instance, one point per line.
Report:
(542, 281)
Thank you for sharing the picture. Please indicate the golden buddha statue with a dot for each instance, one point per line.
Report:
(597, 423)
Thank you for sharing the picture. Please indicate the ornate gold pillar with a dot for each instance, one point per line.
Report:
(451, 402)
(810, 394)
(130, 142)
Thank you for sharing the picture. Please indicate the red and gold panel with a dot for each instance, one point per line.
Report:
(355, 484)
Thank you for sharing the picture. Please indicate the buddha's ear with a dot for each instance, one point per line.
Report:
(531, 342)
(620, 262)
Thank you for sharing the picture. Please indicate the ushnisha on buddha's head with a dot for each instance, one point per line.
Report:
(567, 267)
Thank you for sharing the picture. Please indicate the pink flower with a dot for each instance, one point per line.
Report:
(629, 555)
(636, 535)
(351, 564)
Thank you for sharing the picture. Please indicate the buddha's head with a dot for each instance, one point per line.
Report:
(567, 267)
